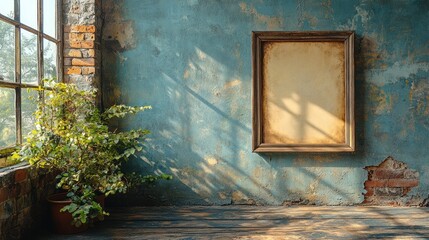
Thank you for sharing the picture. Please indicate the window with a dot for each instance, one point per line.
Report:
(30, 47)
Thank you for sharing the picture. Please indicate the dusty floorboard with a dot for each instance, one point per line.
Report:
(259, 222)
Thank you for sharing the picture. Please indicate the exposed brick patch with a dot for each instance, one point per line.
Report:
(87, 44)
(81, 28)
(90, 29)
(392, 183)
(83, 62)
(72, 53)
(73, 70)
(75, 37)
(88, 70)
(386, 174)
(89, 36)
(389, 182)
(88, 53)
(81, 53)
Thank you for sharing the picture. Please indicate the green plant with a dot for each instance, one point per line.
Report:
(72, 138)
(134, 180)
(6, 159)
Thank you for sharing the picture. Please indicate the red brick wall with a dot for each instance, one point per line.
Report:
(82, 56)
(79, 51)
(389, 182)
(23, 191)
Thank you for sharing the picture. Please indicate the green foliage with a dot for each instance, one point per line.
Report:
(121, 111)
(72, 137)
(6, 159)
(134, 179)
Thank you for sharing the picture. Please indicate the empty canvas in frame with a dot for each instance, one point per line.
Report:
(303, 92)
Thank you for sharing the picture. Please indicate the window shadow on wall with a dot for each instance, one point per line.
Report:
(200, 123)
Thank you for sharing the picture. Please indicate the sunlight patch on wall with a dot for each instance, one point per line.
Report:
(294, 112)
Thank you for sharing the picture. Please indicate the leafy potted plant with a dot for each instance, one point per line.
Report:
(72, 138)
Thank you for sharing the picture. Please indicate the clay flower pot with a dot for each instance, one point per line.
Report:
(62, 221)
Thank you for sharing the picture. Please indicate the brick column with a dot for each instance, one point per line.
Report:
(82, 34)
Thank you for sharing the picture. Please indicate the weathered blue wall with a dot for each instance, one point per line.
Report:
(191, 60)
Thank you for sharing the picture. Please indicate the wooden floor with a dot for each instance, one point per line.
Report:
(259, 222)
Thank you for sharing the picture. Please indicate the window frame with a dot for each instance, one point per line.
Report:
(17, 84)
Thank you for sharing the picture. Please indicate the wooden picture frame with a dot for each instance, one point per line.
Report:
(303, 91)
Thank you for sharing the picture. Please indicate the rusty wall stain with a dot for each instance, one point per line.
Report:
(383, 102)
(419, 97)
(370, 57)
(270, 22)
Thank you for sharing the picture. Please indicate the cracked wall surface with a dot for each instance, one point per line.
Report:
(191, 60)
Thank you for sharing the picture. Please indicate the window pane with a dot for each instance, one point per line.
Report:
(49, 59)
(28, 57)
(29, 13)
(7, 52)
(7, 7)
(49, 16)
(7, 117)
(29, 105)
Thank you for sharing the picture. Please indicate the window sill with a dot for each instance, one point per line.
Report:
(7, 151)
(6, 170)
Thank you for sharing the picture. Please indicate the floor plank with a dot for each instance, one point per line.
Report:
(260, 222)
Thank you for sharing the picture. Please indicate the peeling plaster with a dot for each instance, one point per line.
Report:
(270, 22)
(239, 198)
(304, 16)
(361, 18)
(383, 102)
(398, 72)
(419, 97)
(117, 31)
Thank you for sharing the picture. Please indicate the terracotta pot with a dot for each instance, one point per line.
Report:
(100, 199)
(62, 220)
